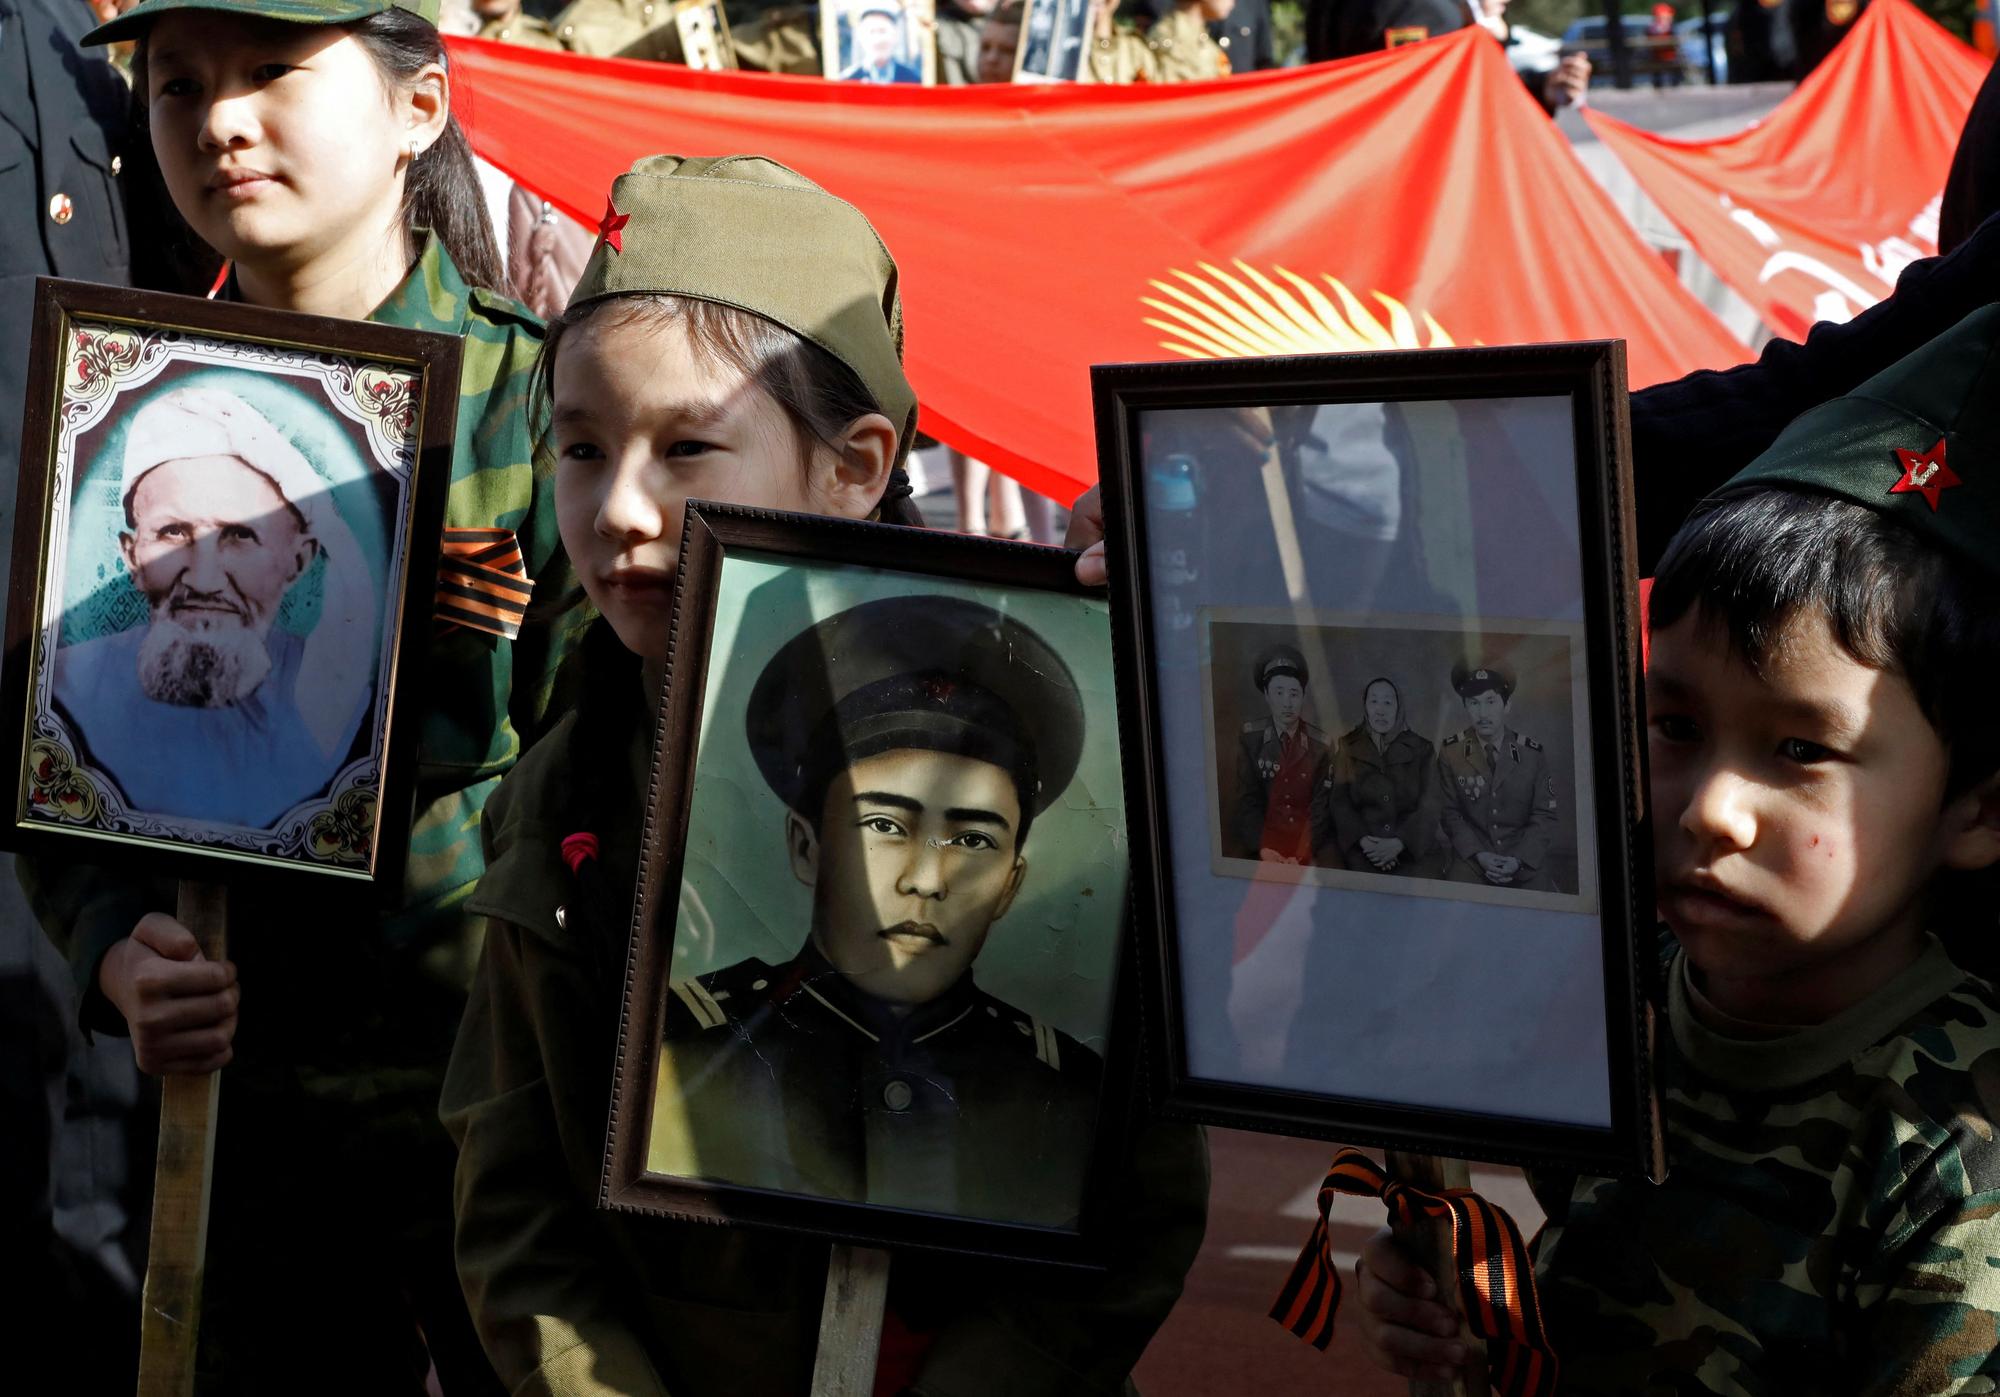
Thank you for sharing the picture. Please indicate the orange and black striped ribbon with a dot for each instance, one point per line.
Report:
(483, 581)
(1496, 1279)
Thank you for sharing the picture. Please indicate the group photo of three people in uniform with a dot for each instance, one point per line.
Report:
(1404, 754)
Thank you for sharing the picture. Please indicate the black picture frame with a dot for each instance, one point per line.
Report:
(1590, 378)
(983, 569)
(98, 355)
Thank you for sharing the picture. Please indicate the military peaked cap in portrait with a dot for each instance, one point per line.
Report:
(1277, 660)
(135, 20)
(1920, 442)
(930, 673)
(743, 231)
(1470, 680)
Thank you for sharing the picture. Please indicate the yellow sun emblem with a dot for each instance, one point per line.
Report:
(1223, 316)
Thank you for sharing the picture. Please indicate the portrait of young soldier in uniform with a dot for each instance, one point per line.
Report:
(912, 744)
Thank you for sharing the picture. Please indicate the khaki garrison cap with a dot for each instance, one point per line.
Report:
(135, 20)
(744, 231)
(1919, 442)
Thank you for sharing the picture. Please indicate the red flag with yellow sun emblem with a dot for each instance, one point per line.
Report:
(1413, 198)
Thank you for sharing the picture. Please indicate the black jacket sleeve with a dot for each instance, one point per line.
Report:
(1690, 436)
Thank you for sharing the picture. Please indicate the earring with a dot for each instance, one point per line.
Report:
(416, 148)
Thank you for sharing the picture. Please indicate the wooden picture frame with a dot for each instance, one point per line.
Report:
(1377, 629)
(775, 1088)
(205, 674)
(898, 47)
(703, 27)
(1055, 41)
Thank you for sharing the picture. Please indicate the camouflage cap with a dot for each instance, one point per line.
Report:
(744, 231)
(134, 21)
(1918, 442)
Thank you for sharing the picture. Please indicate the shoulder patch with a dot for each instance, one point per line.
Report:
(1045, 1045)
(1532, 745)
(1453, 739)
(706, 1009)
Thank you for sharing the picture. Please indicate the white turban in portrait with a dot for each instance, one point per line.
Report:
(337, 669)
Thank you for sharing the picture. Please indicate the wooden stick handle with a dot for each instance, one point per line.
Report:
(1430, 1242)
(850, 1322)
(171, 1314)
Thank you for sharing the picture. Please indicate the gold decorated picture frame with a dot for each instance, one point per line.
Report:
(204, 673)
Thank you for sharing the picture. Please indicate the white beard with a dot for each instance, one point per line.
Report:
(211, 664)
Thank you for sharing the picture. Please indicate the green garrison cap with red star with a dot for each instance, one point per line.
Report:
(1920, 441)
(744, 231)
(135, 20)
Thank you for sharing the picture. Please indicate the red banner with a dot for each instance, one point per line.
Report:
(1414, 198)
(1813, 213)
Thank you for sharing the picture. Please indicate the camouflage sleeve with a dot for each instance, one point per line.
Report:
(1083, 1331)
(1931, 1301)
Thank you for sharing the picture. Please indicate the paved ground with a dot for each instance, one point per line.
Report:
(1220, 1338)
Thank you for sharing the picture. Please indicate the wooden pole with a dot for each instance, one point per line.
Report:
(1430, 1242)
(850, 1322)
(171, 1314)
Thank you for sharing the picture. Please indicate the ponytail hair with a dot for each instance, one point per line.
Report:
(441, 191)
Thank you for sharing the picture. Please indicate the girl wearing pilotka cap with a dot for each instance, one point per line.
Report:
(310, 144)
(735, 337)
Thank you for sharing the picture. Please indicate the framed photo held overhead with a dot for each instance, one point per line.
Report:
(874, 989)
(225, 564)
(1054, 39)
(1378, 637)
(703, 28)
(879, 41)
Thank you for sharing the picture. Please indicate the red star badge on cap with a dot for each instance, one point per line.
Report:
(611, 228)
(1925, 473)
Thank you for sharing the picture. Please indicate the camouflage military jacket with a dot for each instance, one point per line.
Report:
(1828, 1225)
(1509, 808)
(483, 699)
(1176, 49)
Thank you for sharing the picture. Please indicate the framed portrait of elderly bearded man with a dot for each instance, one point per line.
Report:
(225, 555)
(1377, 628)
(874, 987)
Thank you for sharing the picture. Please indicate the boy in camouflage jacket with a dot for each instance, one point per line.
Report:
(1823, 776)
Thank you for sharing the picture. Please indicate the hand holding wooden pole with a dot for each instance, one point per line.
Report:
(171, 1311)
(1429, 1241)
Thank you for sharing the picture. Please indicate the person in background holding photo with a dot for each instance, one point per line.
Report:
(1175, 49)
(1381, 793)
(1282, 763)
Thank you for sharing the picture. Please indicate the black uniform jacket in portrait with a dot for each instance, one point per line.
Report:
(1389, 792)
(788, 1077)
(1508, 807)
